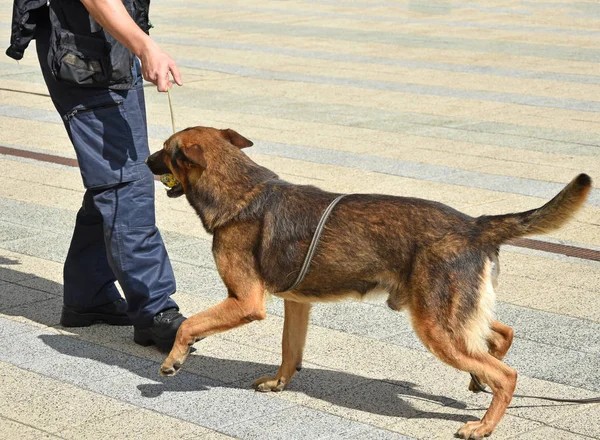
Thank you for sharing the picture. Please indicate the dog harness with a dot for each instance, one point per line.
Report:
(314, 242)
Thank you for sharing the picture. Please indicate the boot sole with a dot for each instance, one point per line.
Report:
(145, 338)
(69, 318)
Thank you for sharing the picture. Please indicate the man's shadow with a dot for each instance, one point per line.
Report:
(388, 398)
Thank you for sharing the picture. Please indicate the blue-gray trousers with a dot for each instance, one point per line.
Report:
(115, 236)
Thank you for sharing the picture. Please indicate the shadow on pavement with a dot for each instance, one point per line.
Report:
(338, 388)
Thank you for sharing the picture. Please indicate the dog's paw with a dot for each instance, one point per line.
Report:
(474, 430)
(166, 370)
(269, 383)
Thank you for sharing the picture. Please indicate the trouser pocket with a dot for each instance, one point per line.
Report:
(105, 143)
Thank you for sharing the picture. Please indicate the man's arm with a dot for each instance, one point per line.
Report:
(156, 64)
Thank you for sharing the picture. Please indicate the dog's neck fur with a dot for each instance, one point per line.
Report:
(230, 182)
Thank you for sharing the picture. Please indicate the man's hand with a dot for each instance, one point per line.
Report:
(156, 66)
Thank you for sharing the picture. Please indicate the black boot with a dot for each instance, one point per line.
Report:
(162, 332)
(113, 313)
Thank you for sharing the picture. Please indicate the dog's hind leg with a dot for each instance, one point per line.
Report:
(452, 348)
(498, 342)
(295, 327)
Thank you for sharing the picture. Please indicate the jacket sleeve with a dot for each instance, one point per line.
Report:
(24, 22)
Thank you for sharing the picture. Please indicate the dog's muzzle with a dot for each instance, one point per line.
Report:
(157, 166)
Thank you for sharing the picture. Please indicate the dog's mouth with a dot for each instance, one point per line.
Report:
(173, 186)
(176, 191)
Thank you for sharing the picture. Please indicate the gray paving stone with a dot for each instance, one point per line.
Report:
(43, 218)
(380, 434)
(79, 362)
(12, 295)
(10, 328)
(296, 423)
(584, 422)
(199, 281)
(545, 411)
(175, 240)
(551, 328)
(65, 358)
(533, 143)
(469, 130)
(360, 319)
(380, 403)
(547, 432)
(9, 272)
(11, 231)
(30, 113)
(320, 383)
(196, 252)
(43, 284)
(47, 245)
(189, 397)
(213, 435)
(42, 312)
(406, 339)
(229, 362)
(555, 364)
(27, 346)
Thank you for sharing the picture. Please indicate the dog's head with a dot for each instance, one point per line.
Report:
(187, 154)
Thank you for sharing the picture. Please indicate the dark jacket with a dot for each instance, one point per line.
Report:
(81, 51)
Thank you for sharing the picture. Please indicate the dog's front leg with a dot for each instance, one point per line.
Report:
(295, 327)
(238, 309)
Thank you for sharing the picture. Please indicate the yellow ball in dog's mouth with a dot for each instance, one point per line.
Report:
(168, 180)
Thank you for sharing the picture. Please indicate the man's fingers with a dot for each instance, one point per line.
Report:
(162, 83)
(175, 72)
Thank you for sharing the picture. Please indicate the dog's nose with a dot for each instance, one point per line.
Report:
(152, 157)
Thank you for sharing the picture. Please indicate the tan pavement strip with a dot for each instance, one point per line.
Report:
(11, 429)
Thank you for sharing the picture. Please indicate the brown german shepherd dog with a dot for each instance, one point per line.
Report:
(433, 261)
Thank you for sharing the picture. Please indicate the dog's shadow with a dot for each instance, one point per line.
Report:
(387, 398)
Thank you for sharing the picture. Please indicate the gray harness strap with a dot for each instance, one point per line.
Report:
(313, 244)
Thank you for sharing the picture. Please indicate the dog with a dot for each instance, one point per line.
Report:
(438, 264)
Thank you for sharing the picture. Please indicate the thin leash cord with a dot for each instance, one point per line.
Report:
(171, 109)
(483, 389)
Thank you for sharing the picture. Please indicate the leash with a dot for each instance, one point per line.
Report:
(483, 389)
(313, 244)
(171, 109)
(168, 179)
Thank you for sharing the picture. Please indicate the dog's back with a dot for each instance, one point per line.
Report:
(432, 260)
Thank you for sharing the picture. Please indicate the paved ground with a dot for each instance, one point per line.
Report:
(487, 106)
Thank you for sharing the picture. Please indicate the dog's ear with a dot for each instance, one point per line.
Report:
(193, 156)
(234, 138)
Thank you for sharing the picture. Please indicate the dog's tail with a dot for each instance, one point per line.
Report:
(499, 228)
